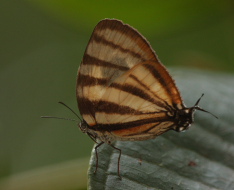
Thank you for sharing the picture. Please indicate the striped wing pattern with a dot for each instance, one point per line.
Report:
(144, 103)
(113, 49)
(122, 88)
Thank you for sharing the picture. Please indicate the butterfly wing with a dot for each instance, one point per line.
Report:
(139, 104)
(113, 49)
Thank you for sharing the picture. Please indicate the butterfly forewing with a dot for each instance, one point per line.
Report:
(113, 49)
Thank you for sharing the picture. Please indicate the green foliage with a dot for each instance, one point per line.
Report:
(42, 44)
(200, 158)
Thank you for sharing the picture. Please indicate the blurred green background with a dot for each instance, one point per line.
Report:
(42, 43)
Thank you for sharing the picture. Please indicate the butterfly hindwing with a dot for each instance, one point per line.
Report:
(138, 103)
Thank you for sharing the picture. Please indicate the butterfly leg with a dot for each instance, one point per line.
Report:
(96, 147)
(92, 137)
(118, 160)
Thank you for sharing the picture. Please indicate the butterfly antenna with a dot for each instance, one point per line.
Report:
(70, 110)
(198, 108)
(58, 118)
(63, 117)
(196, 104)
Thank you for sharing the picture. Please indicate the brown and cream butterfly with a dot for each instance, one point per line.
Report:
(124, 92)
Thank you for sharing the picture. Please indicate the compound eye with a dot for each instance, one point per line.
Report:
(83, 127)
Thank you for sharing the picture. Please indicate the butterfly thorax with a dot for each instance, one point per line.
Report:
(183, 119)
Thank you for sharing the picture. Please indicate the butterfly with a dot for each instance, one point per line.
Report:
(123, 91)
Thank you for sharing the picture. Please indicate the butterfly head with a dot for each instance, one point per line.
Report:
(185, 116)
(83, 126)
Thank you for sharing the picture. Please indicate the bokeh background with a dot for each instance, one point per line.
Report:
(41, 47)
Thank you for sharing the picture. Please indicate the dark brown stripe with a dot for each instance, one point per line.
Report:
(132, 33)
(162, 75)
(86, 80)
(113, 108)
(101, 40)
(117, 25)
(135, 91)
(89, 60)
(85, 106)
(131, 124)
(164, 104)
(143, 132)
(156, 75)
(164, 129)
(147, 130)
(160, 78)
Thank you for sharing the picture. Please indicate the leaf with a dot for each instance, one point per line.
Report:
(200, 158)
